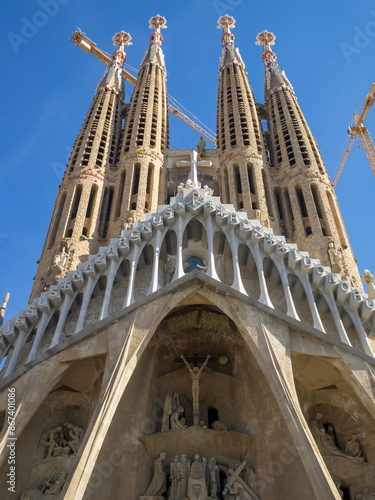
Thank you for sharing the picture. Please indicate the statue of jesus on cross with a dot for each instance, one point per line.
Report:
(195, 374)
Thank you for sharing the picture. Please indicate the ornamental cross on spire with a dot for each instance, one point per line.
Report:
(267, 39)
(157, 23)
(226, 22)
(120, 40)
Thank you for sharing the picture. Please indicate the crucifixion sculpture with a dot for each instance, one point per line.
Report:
(195, 373)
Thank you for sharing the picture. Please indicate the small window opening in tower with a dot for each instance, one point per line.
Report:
(136, 174)
(237, 176)
(105, 212)
(76, 200)
(319, 211)
(279, 205)
(149, 178)
(301, 201)
(267, 193)
(120, 193)
(91, 202)
(289, 217)
(226, 186)
(250, 174)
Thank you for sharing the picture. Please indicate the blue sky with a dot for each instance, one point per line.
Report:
(326, 48)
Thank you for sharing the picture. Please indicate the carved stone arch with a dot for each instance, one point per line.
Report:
(180, 332)
(350, 329)
(274, 286)
(72, 318)
(347, 415)
(50, 329)
(144, 272)
(120, 286)
(194, 242)
(326, 315)
(223, 257)
(248, 271)
(300, 300)
(68, 398)
(96, 300)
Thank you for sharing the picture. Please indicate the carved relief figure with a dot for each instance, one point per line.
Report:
(177, 421)
(334, 258)
(219, 426)
(213, 478)
(128, 224)
(236, 488)
(197, 488)
(195, 373)
(53, 440)
(201, 146)
(60, 259)
(180, 188)
(63, 441)
(183, 473)
(326, 442)
(75, 437)
(48, 489)
(368, 278)
(158, 485)
(208, 191)
(170, 406)
(174, 477)
(352, 447)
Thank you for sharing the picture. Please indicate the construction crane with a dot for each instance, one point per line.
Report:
(82, 41)
(355, 130)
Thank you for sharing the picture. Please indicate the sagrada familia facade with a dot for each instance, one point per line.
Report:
(197, 328)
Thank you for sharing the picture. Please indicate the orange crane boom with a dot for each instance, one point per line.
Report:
(358, 130)
(83, 42)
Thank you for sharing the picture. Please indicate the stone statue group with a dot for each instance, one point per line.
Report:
(63, 441)
(199, 479)
(324, 436)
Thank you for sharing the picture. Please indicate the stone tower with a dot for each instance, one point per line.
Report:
(200, 351)
(306, 202)
(140, 177)
(240, 138)
(81, 215)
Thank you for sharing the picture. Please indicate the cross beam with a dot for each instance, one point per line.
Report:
(194, 163)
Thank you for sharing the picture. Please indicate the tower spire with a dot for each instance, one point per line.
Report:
(240, 138)
(275, 78)
(81, 216)
(157, 23)
(154, 54)
(145, 139)
(112, 79)
(306, 203)
(230, 53)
